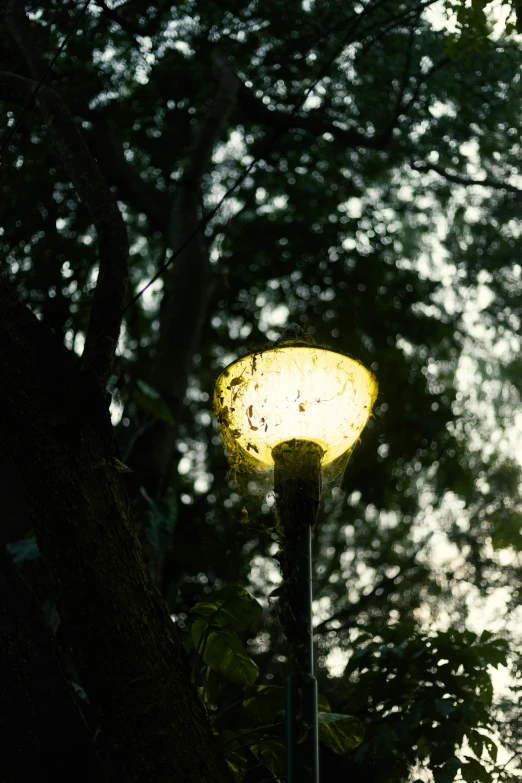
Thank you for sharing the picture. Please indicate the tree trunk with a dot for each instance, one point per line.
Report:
(43, 735)
(128, 654)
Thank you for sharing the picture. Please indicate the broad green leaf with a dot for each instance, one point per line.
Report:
(423, 748)
(269, 700)
(271, 753)
(237, 765)
(485, 688)
(25, 549)
(234, 755)
(266, 704)
(231, 606)
(341, 733)
(79, 691)
(323, 705)
(494, 654)
(223, 652)
(448, 772)
(473, 772)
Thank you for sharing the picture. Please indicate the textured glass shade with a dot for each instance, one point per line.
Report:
(294, 392)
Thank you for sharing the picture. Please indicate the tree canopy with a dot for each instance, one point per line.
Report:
(188, 179)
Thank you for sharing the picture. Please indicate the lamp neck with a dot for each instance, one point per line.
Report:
(297, 466)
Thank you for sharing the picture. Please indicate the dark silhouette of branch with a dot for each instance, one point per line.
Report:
(109, 295)
(103, 330)
(317, 125)
(188, 287)
(18, 25)
(312, 123)
(459, 179)
(150, 28)
(140, 194)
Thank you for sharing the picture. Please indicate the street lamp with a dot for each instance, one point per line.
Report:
(291, 412)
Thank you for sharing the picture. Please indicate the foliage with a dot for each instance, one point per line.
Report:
(234, 608)
(432, 691)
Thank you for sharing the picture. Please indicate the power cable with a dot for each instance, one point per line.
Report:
(29, 103)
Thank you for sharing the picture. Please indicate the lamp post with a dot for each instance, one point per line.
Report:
(287, 415)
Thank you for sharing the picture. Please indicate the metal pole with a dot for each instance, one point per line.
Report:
(297, 484)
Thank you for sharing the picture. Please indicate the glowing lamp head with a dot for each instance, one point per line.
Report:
(292, 392)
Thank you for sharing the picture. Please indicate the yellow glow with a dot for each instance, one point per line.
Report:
(294, 392)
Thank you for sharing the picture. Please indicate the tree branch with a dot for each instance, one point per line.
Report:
(150, 28)
(317, 126)
(213, 122)
(109, 295)
(187, 291)
(140, 194)
(459, 179)
(18, 26)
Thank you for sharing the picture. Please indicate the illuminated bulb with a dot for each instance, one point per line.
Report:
(294, 392)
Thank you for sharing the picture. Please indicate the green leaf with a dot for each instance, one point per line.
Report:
(151, 401)
(447, 773)
(231, 606)
(423, 748)
(269, 700)
(237, 765)
(341, 733)
(234, 755)
(79, 691)
(266, 704)
(223, 652)
(323, 705)
(271, 753)
(25, 549)
(485, 689)
(493, 654)
(474, 772)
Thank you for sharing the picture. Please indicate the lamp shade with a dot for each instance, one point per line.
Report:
(294, 392)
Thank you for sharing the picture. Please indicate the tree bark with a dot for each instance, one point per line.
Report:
(43, 735)
(128, 654)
